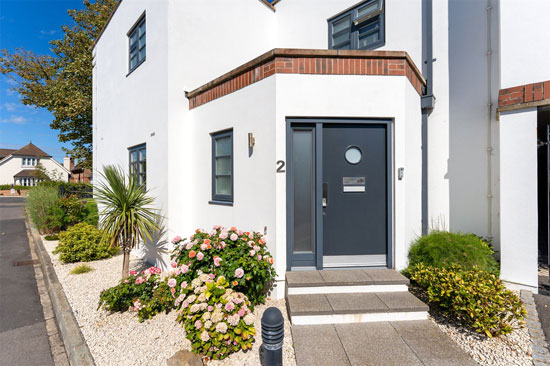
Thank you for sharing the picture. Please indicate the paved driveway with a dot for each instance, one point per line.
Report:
(23, 336)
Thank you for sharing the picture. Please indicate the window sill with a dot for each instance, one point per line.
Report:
(135, 68)
(221, 203)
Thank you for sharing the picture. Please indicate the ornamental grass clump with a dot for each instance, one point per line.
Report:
(475, 297)
(217, 320)
(240, 257)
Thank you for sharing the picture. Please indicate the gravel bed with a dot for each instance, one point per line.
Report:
(511, 349)
(118, 339)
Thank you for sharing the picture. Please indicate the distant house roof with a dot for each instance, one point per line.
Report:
(31, 150)
(5, 152)
(27, 173)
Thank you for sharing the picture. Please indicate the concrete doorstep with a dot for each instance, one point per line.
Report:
(76, 348)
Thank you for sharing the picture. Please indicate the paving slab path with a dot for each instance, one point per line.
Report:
(378, 343)
(23, 334)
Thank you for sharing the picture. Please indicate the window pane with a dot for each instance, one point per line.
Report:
(223, 146)
(142, 167)
(223, 166)
(142, 41)
(223, 186)
(142, 29)
(341, 25)
(142, 54)
(133, 38)
(369, 8)
(133, 156)
(337, 40)
(303, 185)
(142, 154)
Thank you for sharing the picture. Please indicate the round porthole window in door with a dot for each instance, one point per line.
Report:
(353, 155)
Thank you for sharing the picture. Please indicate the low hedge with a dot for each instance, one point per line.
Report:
(473, 296)
(442, 249)
(83, 243)
(7, 187)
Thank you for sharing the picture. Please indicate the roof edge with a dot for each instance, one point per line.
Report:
(106, 24)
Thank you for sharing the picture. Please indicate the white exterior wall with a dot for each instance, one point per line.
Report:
(132, 109)
(524, 42)
(14, 164)
(518, 203)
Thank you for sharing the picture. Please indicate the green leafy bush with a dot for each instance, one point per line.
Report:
(83, 243)
(39, 201)
(474, 296)
(131, 293)
(442, 249)
(217, 320)
(81, 268)
(69, 211)
(51, 237)
(240, 257)
(7, 187)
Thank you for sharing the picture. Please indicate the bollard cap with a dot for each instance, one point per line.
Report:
(272, 318)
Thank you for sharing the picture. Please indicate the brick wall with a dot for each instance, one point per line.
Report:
(522, 94)
(319, 62)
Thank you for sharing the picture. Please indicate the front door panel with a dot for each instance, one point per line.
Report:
(354, 194)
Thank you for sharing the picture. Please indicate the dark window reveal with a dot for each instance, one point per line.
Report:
(136, 38)
(138, 162)
(222, 166)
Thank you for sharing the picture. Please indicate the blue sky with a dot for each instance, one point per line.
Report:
(29, 24)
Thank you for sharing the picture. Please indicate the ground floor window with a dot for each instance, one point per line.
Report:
(222, 166)
(138, 162)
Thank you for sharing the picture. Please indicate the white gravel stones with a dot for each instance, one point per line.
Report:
(512, 349)
(119, 339)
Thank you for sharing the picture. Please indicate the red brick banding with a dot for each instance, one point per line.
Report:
(517, 96)
(317, 62)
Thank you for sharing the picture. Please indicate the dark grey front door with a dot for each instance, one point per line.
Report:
(339, 193)
(354, 195)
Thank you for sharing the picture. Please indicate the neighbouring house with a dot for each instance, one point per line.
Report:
(342, 129)
(19, 167)
(79, 174)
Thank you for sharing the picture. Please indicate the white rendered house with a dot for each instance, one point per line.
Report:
(18, 167)
(342, 129)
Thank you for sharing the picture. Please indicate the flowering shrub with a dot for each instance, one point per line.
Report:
(240, 257)
(474, 296)
(217, 320)
(131, 293)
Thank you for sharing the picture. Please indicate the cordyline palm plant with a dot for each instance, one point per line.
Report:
(127, 217)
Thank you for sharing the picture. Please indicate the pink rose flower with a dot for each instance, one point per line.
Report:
(240, 232)
(222, 244)
(217, 227)
(213, 232)
(234, 237)
(140, 280)
(250, 243)
(184, 284)
(173, 264)
(217, 261)
(252, 253)
(223, 235)
(200, 256)
(133, 273)
(239, 273)
(241, 312)
(204, 246)
(172, 282)
(256, 248)
(263, 240)
(198, 324)
(251, 235)
(259, 257)
(219, 305)
(189, 246)
(210, 308)
(176, 239)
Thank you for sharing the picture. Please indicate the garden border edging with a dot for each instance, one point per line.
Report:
(75, 344)
(540, 354)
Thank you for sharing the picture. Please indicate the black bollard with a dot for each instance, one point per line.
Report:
(273, 334)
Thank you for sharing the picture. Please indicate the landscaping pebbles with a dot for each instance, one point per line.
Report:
(511, 349)
(118, 339)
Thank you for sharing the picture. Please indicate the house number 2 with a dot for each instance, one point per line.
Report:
(280, 166)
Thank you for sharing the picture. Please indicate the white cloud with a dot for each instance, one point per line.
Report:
(10, 107)
(18, 120)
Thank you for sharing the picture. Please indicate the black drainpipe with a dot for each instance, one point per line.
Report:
(427, 101)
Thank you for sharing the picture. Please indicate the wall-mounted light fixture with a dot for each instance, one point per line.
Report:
(251, 140)
(400, 173)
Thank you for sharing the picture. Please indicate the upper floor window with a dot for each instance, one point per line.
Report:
(138, 162)
(136, 38)
(222, 166)
(359, 28)
(29, 161)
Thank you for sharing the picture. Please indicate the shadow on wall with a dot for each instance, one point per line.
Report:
(157, 250)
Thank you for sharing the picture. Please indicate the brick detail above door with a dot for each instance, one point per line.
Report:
(524, 96)
(302, 61)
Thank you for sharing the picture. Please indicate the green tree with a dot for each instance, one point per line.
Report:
(127, 217)
(62, 83)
